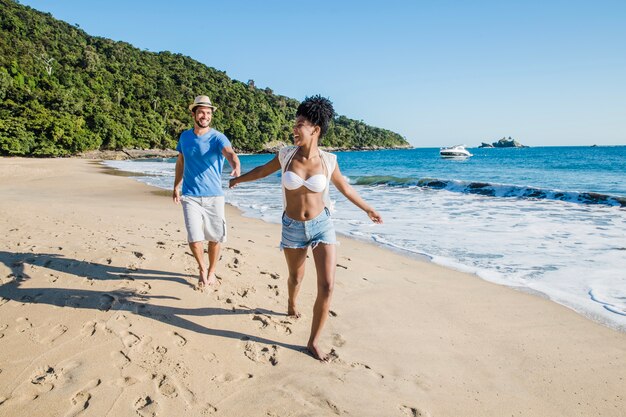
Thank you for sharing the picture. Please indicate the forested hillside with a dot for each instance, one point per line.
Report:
(63, 91)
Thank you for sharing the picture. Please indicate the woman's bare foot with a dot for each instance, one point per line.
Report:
(212, 279)
(292, 311)
(317, 352)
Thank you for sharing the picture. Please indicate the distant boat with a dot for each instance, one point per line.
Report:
(457, 151)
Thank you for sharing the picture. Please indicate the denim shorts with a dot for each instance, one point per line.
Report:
(301, 234)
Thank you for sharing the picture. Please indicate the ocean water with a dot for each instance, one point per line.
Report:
(549, 219)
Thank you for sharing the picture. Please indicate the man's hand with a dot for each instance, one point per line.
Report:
(176, 195)
(235, 172)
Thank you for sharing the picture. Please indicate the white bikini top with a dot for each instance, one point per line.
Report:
(315, 183)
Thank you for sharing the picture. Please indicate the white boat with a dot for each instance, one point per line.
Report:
(457, 151)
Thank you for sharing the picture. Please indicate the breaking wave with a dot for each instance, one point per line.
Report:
(492, 190)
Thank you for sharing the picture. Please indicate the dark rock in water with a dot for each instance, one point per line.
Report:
(503, 143)
(508, 143)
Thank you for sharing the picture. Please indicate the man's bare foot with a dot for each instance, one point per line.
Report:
(202, 280)
(292, 311)
(317, 353)
(212, 279)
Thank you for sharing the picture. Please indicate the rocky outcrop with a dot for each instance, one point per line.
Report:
(273, 146)
(504, 143)
(129, 154)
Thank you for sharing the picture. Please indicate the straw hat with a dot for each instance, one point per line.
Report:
(202, 101)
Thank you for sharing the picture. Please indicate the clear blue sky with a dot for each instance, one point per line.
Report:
(437, 72)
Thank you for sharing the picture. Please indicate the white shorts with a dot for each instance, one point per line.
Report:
(204, 218)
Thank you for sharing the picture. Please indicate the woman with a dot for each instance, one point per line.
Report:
(306, 175)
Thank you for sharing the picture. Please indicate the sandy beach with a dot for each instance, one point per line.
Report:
(98, 317)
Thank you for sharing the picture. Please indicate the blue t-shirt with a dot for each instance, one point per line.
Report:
(202, 176)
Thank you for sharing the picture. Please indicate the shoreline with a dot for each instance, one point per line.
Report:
(97, 308)
(452, 264)
(137, 154)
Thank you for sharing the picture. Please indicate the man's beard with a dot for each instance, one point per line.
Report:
(203, 123)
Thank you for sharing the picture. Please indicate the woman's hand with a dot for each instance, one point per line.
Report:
(232, 183)
(374, 216)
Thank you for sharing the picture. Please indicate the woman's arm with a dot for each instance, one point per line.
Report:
(257, 173)
(351, 194)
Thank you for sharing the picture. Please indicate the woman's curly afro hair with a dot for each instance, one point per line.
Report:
(318, 110)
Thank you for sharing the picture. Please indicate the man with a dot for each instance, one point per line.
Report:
(202, 151)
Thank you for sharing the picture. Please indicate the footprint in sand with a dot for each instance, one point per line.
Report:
(243, 292)
(88, 329)
(80, 400)
(167, 387)
(228, 378)
(127, 381)
(106, 302)
(265, 320)
(414, 412)
(271, 274)
(9, 278)
(53, 334)
(235, 263)
(259, 354)
(338, 340)
(3, 327)
(23, 324)
(147, 407)
(44, 379)
(129, 339)
(120, 359)
(333, 407)
(144, 288)
(274, 289)
(27, 299)
(179, 340)
(367, 367)
(208, 410)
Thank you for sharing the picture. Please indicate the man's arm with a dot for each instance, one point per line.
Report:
(178, 178)
(233, 160)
